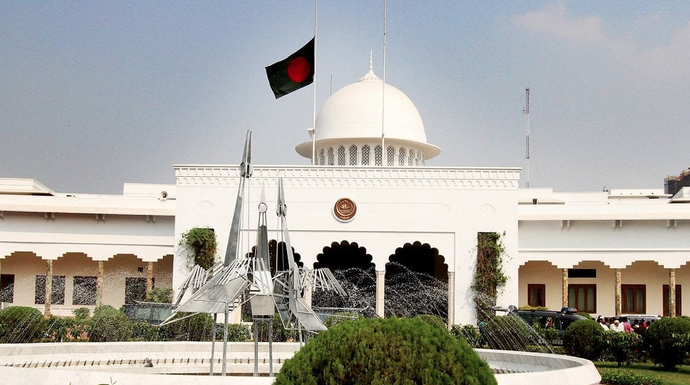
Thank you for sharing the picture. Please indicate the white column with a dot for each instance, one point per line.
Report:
(451, 299)
(380, 292)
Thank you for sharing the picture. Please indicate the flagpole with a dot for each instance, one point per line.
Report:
(384, 153)
(313, 122)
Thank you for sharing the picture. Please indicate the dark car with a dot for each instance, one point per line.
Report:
(545, 319)
(152, 313)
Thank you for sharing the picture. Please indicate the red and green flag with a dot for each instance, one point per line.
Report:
(292, 73)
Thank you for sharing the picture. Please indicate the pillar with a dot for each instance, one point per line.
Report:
(451, 299)
(380, 293)
(672, 292)
(619, 304)
(49, 288)
(149, 278)
(99, 284)
(564, 294)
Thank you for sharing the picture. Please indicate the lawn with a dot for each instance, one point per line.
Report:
(681, 376)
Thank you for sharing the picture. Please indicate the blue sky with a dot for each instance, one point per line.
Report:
(95, 94)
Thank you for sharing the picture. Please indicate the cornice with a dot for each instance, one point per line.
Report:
(341, 176)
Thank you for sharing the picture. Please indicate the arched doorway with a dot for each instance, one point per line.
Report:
(416, 282)
(354, 269)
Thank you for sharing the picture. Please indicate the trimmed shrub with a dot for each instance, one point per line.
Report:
(198, 327)
(81, 313)
(109, 325)
(509, 333)
(143, 331)
(584, 339)
(342, 317)
(469, 333)
(432, 320)
(160, 295)
(625, 377)
(385, 351)
(21, 324)
(661, 341)
(236, 333)
(623, 347)
(59, 329)
(280, 333)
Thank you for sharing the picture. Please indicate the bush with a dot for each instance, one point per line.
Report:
(509, 333)
(342, 317)
(81, 313)
(143, 331)
(59, 329)
(623, 347)
(584, 339)
(624, 377)
(21, 324)
(661, 341)
(280, 333)
(385, 351)
(469, 333)
(198, 327)
(160, 295)
(236, 333)
(109, 325)
(432, 320)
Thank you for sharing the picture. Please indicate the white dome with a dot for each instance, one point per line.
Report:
(354, 113)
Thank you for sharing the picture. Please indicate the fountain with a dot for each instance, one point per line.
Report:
(216, 290)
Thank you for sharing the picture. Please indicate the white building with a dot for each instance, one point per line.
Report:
(609, 253)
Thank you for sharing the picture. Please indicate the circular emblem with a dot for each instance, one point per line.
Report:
(345, 209)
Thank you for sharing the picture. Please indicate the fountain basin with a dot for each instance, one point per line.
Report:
(188, 363)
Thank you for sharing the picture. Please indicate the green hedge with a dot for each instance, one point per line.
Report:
(585, 339)
(662, 339)
(385, 351)
(109, 325)
(21, 324)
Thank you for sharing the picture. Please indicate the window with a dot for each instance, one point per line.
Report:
(331, 157)
(135, 289)
(57, 295)
(84, 292)
(583, 298)
(410, 158)
(341, 156)
(378, 156)
(322, 157)
(353, 155)
(401, 157)
(7, 288)
(667, 313)
(582, 273)
(365, 155)
(633, 299)
(536, 295)
(390, 155)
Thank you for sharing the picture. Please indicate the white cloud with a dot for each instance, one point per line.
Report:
(660, 62)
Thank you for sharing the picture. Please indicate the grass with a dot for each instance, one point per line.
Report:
(681, 376)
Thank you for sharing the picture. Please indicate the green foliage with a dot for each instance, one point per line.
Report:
(201, 244)
(21, 324)
(198, 327)
(59, 329)
(584, 339)
(623, 347)
(385, 351)
(666, 341)
(143, 331)
(624, 377)
(432, 320)
(81, 313)
(528, 307)
(469, 333)
(488, 273)
(280, 333)
(342, 317)
(109, 325)
(236, 333)
(508, 333)
(160, 295)
(549, 334)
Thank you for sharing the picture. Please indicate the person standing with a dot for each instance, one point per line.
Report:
(616, 326)
(602, 322)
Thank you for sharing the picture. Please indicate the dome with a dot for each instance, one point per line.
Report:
(354, 113)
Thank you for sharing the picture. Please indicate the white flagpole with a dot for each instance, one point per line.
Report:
(384, 153)
(313, 122)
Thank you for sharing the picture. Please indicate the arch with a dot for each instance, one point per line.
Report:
(378, 156)
(401, 156)
(354, 269)
(390, 156)
(416, 282)
(331, 156)
(353, 155)
(365, 155)
(410, 158)
(341, 156)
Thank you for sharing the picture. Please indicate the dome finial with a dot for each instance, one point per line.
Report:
(371, 60)
(370, 75)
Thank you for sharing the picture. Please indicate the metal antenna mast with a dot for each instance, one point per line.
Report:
(526, 111)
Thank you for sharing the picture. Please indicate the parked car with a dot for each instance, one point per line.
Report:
(547, 319)
(152, 313)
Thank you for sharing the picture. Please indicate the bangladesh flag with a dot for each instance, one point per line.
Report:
(292, 73)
